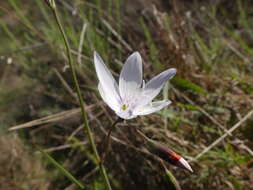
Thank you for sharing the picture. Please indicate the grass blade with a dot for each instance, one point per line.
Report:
(61, 168)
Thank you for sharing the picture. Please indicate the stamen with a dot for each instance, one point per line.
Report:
(124, 107)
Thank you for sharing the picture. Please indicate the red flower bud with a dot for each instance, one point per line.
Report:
(168, 155)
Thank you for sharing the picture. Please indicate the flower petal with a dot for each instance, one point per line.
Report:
(107, 82)
(107, 99)
(127, 114)
(151, 108)
(182, 163)
(154, 86)
(131, 77)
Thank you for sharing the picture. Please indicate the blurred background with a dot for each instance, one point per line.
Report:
(209, 42)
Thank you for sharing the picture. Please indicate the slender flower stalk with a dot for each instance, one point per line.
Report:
(166, 153)
(107, 140)
(77, 88)
(132, 97)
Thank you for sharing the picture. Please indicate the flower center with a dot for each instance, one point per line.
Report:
(124, 107)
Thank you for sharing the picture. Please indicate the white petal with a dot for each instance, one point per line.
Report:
(143, 84)
(151, 108)
(184, 164)
(131, 76)
(127, 114)
(154, 86)
(107, 99)
(107, 82)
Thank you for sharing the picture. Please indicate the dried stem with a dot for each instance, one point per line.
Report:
(224, 135)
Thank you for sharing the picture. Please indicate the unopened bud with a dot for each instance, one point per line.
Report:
(168, 155)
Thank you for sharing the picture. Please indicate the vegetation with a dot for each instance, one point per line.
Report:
(210, 121)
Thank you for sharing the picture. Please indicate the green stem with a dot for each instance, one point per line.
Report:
(77, 88)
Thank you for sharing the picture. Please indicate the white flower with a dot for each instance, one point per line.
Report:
(132, 97)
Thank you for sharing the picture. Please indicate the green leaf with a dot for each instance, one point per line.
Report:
(171, 180)
(187, 85)
(61, 168)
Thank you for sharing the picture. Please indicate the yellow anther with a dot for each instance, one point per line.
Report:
(124, 107)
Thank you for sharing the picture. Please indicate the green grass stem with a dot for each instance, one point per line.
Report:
(62, 169)
(81, 102)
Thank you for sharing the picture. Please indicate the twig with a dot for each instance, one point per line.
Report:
(93, 171)
(109, 27)
(80, 47)
(64, 146)
(127, 46)
(236, 51)
(142, 134)
(212, 119)
(26, 48)
(65, 84)
(48, 119)
(80, 127)
(224, 135)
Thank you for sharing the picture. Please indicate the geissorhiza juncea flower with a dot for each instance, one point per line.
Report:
(132, 97)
